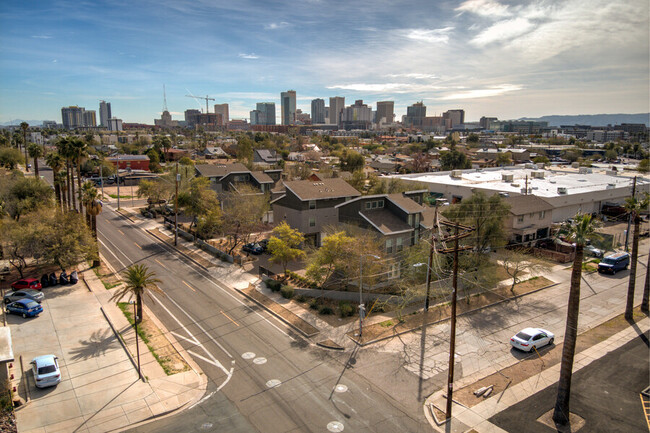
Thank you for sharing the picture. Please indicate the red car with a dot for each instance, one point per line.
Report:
(27, 283)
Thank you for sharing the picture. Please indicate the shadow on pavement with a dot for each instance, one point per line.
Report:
(98, 344)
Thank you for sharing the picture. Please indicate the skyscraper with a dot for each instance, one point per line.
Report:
(317, 111)
(288, 101)
(223, 110)
(267, 113)
(90, 118)
(337, 103)
(385, 112)
(72, 117)
(457, 117)
(357, 116)
(104, 113)
(415, 114)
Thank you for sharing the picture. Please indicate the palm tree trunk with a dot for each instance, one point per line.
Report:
(57, 188)
(138, 299)
(94, 230)
(36, 167)
(646, 289)
(64, 196)
(79, 184)
(629, 306)
(561, 412)
(67, 183)
(72, 192)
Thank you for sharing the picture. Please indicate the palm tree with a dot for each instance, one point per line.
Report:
(35, 151)
(634, 206)
(61, 181)
(645, 302)
(79, 150)
(138, 281)
(55, 162)
(24, 126)
(65, 149)
(581, 230)
(93, 208)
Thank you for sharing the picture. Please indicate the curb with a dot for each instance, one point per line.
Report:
(326, 345)
(177, 250)
(395, 334)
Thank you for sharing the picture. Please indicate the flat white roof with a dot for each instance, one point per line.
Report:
(575, 183)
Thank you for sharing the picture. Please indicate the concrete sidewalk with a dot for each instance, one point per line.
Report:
(100, 389)
(476, 417)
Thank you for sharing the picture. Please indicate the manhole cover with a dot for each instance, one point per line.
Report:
(248, 355)
(259, 361)
(273, 383)
(206, 426)
(340, 388)
(335, 426)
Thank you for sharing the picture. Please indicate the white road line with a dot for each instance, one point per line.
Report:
(202, 400)
(112, 253)
(203, 358)
(182, 337)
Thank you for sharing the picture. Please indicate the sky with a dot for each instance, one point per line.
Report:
(505, 59)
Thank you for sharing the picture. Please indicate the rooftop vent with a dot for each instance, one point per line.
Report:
(507, 177)
(611, 185)
(585, 170)
(456, 174)
(537, 174)
(561, 190)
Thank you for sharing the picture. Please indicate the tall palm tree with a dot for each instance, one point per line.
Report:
(35, 151)
(65, 149)
(93, 208)
(88, 194)
(139, 281)
(55, 162)
(79, 151)
(634, 206)
(24, 126)
(581, 230)
(61, 181)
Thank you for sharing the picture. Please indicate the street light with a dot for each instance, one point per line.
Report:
(137, 347)
(362, 308)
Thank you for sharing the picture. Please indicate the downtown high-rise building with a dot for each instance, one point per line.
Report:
(357, 116)
(385, 112)
(264, 114)
(457, 117)
(337, 104)
(77, 117)
(415, 114)
(223, 110)
(104, 113)
(288, 107)
(317, 111)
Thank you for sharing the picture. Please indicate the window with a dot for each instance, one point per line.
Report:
(312, 204)
(377, 204)
(398, 245)
(520, 219)
(542, 214)
(389, 246)
(368, 205)
(312, 222)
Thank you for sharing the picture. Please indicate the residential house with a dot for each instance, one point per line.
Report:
(309, 206)
(213, 152)
(530, 218)
(266, 157)
(226, 177)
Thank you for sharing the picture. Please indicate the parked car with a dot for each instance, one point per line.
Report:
(264, 243)
(592, 250)
(27, 283)
(34, 295)
(24, 307)
(531, 338)
(253, 248)
(614, 263)
(46, 371)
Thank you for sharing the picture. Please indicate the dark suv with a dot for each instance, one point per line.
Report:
(614, 263)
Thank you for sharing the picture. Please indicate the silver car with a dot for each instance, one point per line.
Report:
(34, 295)
(532, 338)
(46, 371)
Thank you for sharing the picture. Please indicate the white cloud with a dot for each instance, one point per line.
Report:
(427, 35)
(386, 87)
(413, 75)
(276, 26)
(503, 31)
(41, 37)
(483, 93)
(249, 56)
(487, 8)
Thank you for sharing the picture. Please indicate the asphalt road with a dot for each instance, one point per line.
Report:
(245, 353)
(605, 393)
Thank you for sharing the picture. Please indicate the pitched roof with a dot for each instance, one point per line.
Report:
(525, 204)
(220, 170)
(267, 155)
(406, 204)
(385, 221)
(261, 177)
(326, 188)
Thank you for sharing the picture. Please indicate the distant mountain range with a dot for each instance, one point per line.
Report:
(17, 122)
(593, 119)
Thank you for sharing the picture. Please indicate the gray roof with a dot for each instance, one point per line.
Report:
(261, 177)
(326, 188)
(405, 203)
(220, 170)
(267, 155)
(525, 204)
(385, 221)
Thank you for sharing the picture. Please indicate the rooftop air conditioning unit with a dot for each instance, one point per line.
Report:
(561, 190)
(537, 174)
(611, 172)
(515, 185)
(507, 177)
(529, 165)
(457, 174)
(585, 170)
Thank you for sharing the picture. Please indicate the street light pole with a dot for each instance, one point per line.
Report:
(176, 207)
(452, 339)
(117, 173)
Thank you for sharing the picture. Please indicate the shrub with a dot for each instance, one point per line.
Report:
(273, 285)
(313, 304)
(325, 310)
(301, 298)
(287, 292)
(345, 309)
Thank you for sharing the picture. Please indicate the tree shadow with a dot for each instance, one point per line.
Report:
(97, 345)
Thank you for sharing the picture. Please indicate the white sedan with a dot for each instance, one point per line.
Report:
(46, 371)
(532, 338)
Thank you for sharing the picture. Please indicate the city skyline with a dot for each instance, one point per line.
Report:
(490, 58)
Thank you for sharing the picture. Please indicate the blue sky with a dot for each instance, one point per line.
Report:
(489, 57)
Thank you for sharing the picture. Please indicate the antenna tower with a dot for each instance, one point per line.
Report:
(164, 99)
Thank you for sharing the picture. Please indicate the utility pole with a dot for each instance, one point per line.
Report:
(454, 296)
(176, 207)
(629, 217)
(526, 193)
(117, 173)
(433, 227)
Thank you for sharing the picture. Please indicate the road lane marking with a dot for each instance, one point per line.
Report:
(136, 244)
(158, 261)
(188, 285)
(203, 358)
(121, 232)
(111, 251)
(229, 318)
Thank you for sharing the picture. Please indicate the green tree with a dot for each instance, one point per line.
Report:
(504, 158)
(454, 160)
(21, 240)
(542, 159)
(10, 158)
(580, 231)
(199, 199)
(611, 155)
(139, 281)
(21, 195)
(162, 143)
(79, 151)
(634, 206)
(35, 151)
(55, 162)
(64, 147)
(66, 239)
(154, 190)
(351, 161)
(516, 263)
(473, 139)
(486, 214)
(242, 213)
(245, 149)
(335, 251)
(283, 245)
(644, 166)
